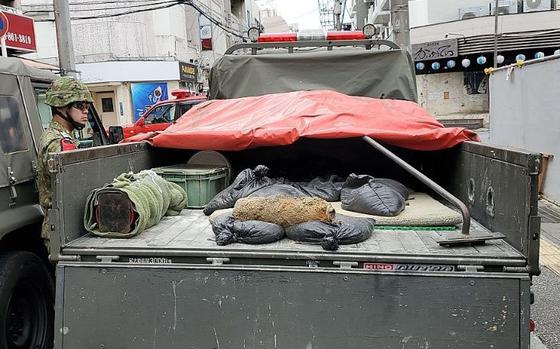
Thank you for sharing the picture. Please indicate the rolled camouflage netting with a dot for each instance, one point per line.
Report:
(151, 198)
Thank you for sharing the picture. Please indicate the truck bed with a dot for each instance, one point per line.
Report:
(190, 235)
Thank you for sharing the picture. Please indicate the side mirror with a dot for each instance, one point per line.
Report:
(140, 122)
(116, 134)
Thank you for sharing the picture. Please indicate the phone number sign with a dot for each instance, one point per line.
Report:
(19, 31)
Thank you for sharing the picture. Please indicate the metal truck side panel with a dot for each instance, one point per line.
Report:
(160, 306)
(499, 186)
(86, 171)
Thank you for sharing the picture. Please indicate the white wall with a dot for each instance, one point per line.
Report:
(168, 34)
(485, 25)
(46, 43)
(444, 95)
(426, 12)
(525, 112)
(128, 71)
(418, 13)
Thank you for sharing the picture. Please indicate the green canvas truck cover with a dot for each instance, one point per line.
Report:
(352, 71)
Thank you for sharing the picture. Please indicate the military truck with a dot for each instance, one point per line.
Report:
(26, 275)
(172, 286)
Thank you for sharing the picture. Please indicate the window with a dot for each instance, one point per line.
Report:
(184, 107)
(12, 138)
(44, 109)
(162, 113)
(107, 105)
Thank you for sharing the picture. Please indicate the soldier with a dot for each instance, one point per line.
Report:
(69, 100)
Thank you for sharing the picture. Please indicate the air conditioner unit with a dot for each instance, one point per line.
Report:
(536, 5)
(472, 12)
(505, 7)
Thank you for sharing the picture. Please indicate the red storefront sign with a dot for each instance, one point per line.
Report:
(20, 34)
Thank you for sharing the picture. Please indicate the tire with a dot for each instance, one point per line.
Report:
(26, 302)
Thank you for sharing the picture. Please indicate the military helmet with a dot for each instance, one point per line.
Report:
(66, 90)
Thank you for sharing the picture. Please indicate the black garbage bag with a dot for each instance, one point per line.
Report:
(278, 189)
(229, 230)
(244, 184)
(365, 194)
(326, 189)
(344, 230)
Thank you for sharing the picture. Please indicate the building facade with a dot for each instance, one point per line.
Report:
(132, 54)
(453, 44)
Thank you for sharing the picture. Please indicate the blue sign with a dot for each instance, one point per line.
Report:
(146, 94)
(3, 24)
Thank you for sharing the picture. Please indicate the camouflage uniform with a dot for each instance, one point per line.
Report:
(53, 140)
(56, 138)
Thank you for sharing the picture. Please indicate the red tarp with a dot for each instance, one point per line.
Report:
(281, 119)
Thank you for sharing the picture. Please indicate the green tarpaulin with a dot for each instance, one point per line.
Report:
(355, 72)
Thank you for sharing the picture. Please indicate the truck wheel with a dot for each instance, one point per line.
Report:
(26, 302)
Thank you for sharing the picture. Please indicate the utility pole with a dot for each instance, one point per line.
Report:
(66, 58)
(400, 22)
(361, 14)
(496, 14)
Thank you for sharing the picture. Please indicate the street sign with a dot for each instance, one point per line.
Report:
(428, 51)
(188, 72)
(19, 31)
(3, 24)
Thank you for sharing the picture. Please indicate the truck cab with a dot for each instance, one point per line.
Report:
(163, 114)
(26, 275)
(172, 286)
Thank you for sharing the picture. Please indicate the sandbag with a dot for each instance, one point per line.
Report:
(229, 230)
(244, 184)
(284, 211)
(343, 230)
(150, 197)
(365, 194)
(326, 189)
(278, 189)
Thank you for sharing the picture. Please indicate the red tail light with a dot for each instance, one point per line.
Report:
(340, 35)
(280, 37)
(531, 326)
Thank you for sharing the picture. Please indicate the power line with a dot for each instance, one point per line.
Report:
(164, 4)
(107, 8)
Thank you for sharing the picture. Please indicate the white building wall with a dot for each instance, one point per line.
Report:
(524, 119)
(165, 34)
(485, 25)
(439, 11)
(46, 43)
(128, 71)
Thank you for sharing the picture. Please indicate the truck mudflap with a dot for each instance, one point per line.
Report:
(106, 305)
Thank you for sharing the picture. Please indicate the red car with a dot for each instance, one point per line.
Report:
(163, 114)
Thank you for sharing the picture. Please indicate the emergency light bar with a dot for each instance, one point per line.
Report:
(180, 94)
(255, 35)
(303, 36)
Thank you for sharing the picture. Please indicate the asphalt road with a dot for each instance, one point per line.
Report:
(546, 309)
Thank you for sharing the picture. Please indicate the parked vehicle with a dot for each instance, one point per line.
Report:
(26, 275)
(172, 286)
(163, 114)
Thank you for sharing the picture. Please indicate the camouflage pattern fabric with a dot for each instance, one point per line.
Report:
(51, 142)
(66, 90)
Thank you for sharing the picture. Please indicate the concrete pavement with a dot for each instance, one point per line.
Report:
(546, 287)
